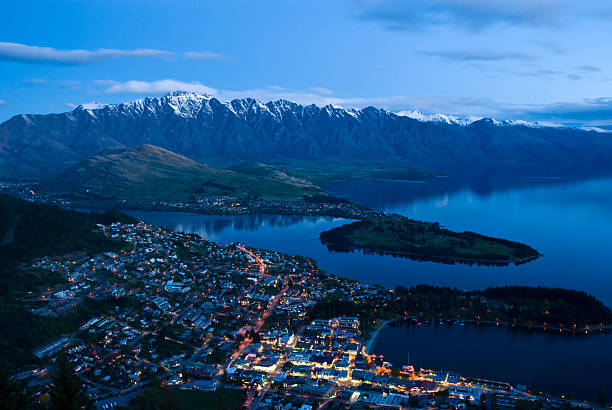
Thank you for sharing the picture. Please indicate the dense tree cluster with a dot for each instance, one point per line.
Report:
(402, 236)
(512, 304)
(29, 230)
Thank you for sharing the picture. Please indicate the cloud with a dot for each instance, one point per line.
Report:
(479, 55)
(35, 81)
(593, 112)
(36, 54)
(2, 102)
(71, 106)
(153, 87)
(274, 92)
(589, 68)
(321, 90)
(436, 104)
(550, 46)
(73, 85)
(472, 15)
(193, 55)
(540, 73)
(588, 111)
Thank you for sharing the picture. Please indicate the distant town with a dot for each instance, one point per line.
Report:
(322, 205)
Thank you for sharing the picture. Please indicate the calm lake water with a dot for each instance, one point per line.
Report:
(564, 364)
(568, 221)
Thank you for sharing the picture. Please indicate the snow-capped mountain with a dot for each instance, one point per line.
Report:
(453, 119)
(202, 127)
(448, 119)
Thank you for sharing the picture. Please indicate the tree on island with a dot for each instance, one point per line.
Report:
(67, 392)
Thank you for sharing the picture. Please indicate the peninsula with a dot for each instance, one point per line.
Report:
(401, 236)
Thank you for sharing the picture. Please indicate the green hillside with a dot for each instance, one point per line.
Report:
(150, 173)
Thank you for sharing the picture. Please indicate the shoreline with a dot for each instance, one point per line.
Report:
(88, 206)
(372, 340)
(591, 330)
(419, 256)
(367, 348)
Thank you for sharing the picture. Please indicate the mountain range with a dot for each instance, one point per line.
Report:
(204, 129)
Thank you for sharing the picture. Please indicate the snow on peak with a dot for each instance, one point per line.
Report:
(180, 93)
(185, 103)
(448, 119)
(596, 129)
(464, 121)
(91, 106)
(189, 104)
(533, 124)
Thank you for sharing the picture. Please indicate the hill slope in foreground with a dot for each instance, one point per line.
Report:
(29, 230)
(397, 235)
(148, 173)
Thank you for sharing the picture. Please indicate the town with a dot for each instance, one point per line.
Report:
(190, 314)
(322, 205)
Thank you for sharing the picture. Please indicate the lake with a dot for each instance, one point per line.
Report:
(564, 364)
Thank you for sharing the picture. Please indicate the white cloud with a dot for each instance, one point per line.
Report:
(589, 68)
(271, 92)
(274, 92)
(586, 112)
(71, 106)
(73, 85)
(35, 81)
(589, 111)
(193, 55)
(478, 55)
(2, 102)
(321, 90)
(468, 14)
(26, 53)
(153, 87)
(320, 96)
(37, 54)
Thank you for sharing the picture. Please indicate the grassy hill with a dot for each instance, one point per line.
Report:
(271, 172)
(330, 171)
(150, 173)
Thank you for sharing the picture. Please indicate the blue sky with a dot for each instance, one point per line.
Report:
(544, 60)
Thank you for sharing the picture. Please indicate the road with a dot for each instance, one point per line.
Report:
(257, 258)
(252, 400)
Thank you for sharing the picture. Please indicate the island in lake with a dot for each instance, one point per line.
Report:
(401, 236)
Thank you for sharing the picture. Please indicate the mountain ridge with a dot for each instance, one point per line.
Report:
(202, 128)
